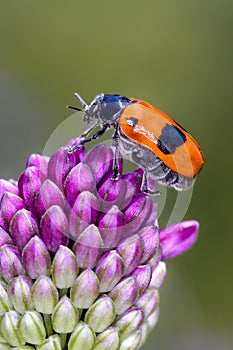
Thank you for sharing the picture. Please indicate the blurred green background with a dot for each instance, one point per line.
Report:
(178, 56)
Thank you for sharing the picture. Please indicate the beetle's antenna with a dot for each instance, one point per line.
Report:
(75, 108)
(83, 103)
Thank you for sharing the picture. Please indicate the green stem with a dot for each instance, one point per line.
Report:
(48, 324)
(63, 337)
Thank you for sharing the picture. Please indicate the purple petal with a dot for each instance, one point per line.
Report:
(54, 228)
(36, 258)
(100, 160)
(79, 179)
(148, 302)
(178, 238)
(137, 212)
(83, 213)
(48, 195)
(23, 227)
(131, 251)
(60, 164)
(112, 192)
(111, 225)
(10, 204)
(142, 275)
(88, 247)
(5, 238)
(109, 270)
(150, 239)
(40, 162)
(10, 262)
(7, 186)
(124, 294)
(29, 184)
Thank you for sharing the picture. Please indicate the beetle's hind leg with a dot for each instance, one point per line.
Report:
(144, 186)
(115, 143)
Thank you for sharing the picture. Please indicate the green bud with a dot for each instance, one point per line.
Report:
(52, 343)
(44, 295)
(101, 314)
(109, 339)
(81, 338)
(65, 316)
(9, 329)
(132, 342)
(5, 303)
(32, 328)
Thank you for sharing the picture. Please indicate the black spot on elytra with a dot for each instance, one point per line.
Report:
(170, 138)
(132, 121)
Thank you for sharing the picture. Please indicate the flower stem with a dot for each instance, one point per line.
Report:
(48, 325)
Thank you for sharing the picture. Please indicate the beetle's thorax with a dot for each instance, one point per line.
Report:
(106, 108)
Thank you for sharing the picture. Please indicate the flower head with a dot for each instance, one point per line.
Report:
(81, 255)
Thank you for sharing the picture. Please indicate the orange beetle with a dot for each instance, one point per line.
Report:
(153, 140)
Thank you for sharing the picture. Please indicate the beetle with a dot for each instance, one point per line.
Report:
(154, 141)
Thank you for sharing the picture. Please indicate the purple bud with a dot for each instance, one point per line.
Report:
(5, 238)
(40, 162)
(109, 339)
(101, 314)
(5, 303)
(131, 251)
(23, 227)
(79, 179)
(142, 275)
(85, 289)
(100, 160)
(112, 191)
(109, 270)
(44, 295)
(133, 340)
(48, 195)
(148, 302)
(10, 262)
(10, 204)
(153, 319)
(83, 213)
(9, 329)
(110, 226)
(19, 291)
(60, 164)
(7, 186)
(124, 294)
(134, 181)
(158, 275)
(154, 261)
(88, 247)
(150, 240)
(54, 228)
(137, 212)
(65, 316)
(178, 238)
(129, 322)
(29, 184)
(82, 337)
(32, 328)
(65, 268)
(36, 258)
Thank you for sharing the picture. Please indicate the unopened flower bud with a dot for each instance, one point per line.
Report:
(44, 295)
(48, 195)
(19, 291)
(32, 328)
(65, 316)
(65, 268)
(85, 289)
(83, 337)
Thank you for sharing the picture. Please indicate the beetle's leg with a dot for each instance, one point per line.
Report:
(144, 186)
(115, 138)
(93, 137)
